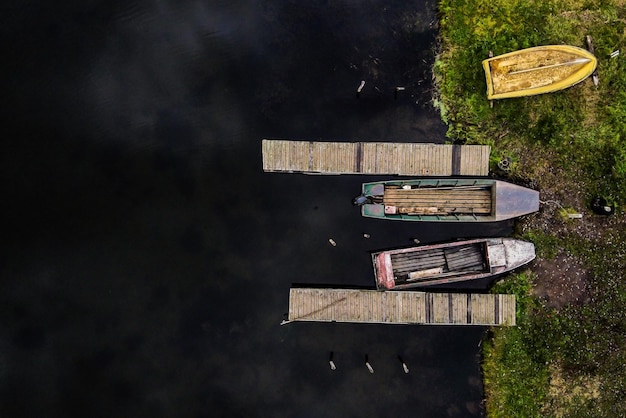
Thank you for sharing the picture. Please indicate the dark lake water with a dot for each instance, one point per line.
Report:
(146, 258)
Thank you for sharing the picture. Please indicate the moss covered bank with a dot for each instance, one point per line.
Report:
(567, 357)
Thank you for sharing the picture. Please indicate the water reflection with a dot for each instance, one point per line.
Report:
(147, 258)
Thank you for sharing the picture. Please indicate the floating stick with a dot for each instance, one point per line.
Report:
(369, 366)
(404, 366)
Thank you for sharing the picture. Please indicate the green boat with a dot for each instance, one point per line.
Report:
(446, 200)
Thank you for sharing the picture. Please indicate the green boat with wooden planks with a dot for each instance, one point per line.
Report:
(537, 70)
(446, 200)
(428, 265)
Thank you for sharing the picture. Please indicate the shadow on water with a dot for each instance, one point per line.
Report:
(147, 258)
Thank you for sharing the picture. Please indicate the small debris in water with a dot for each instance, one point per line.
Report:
(415, 240)
(366, 235)
(358, 90)
(332, 365)
(367, 363)
(396, 90)
(404, 366)
(332, 242)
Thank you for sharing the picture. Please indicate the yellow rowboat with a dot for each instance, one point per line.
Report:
(542, 69)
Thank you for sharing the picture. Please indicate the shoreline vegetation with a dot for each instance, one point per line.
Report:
(567, 356)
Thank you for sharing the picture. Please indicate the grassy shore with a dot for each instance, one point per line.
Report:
(567, 357)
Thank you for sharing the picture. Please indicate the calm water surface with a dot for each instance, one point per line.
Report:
(146, 258)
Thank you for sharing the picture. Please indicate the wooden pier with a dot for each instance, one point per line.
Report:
(385, 158)
(400, 307)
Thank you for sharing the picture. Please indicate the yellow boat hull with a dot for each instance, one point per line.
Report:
(538, 70)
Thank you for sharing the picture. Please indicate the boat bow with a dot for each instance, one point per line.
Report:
(513, 201)
(518, 252)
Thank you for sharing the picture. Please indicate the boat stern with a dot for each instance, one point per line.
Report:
(371, 191)
(373, 210)
(489, 80)
(384, 271)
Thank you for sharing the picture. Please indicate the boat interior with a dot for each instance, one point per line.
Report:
(414, 200)
(437, 263)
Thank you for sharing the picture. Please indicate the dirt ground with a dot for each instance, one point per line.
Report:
(564, 279)
(561, 281)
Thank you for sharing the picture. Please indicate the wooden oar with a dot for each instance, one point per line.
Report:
(561, 64)
(468, 187)
(594, 75)
(442, 275)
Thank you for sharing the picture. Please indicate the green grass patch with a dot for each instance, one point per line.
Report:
(585, 125)
(516, 375)
(569, 362)
(546, 246)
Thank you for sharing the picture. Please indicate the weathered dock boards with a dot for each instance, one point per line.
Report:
(405, 159)
(371, 306)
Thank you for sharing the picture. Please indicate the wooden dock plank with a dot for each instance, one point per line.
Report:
(459, 309)
(371, 306)
(507, 310)
(483, 308)
(416, 159)
(441, 313)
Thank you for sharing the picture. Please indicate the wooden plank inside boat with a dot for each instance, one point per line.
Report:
(477, 200)
(439, 263)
